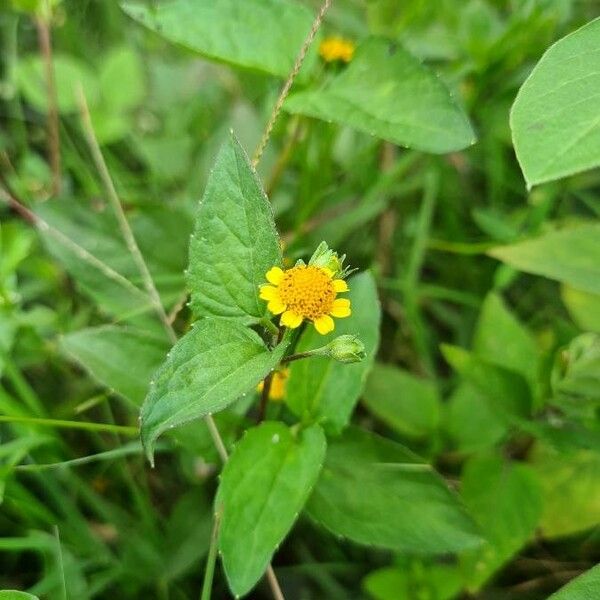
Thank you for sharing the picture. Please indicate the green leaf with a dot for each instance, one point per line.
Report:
(506, 391)
(16, 595)
(235, 241)
(387, 92)
(571, 484)
(325, 390)
(208, 368)
(405, 403)
(583, 307)
(554, 120)
(122, 80)
(471, 420)
(506, 501)
(419, 580)
(501, 340)
(265, 35)
(69, 73)
(161, 231)
(584, 587)
(263, 487)
(570, 256)
(121, 358)
(376, 492)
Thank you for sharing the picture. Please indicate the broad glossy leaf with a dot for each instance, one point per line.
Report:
(554, 120)
(387, 92)
(376, 492)
(570, 256)
(121, 358)
(584, 587)
(263, 487)
(407, 404)
(506, 501)
(208, 368)
(323, 389)
(265, 35)
(234, 242)
(501, 340)
(571, 484)
(16, 595)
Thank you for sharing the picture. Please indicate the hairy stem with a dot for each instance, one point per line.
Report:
(290, 81)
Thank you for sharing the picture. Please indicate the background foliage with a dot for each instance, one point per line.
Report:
(453, 161)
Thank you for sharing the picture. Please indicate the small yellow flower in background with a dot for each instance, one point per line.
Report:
(336, 48)
(306, 292)
(278, 383)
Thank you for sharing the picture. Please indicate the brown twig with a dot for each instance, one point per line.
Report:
(290, 81)
(45, 43)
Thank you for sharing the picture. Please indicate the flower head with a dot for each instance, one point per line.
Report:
(336, 48)
(306, 292)
(278, 383)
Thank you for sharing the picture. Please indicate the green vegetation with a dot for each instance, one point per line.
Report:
(281, 318)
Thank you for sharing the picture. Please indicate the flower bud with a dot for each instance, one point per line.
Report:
(324, 256)
(346, 349)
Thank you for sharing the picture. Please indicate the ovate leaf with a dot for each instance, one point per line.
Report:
(208, 368)
(583, 307)
(584, 587)
(376, 492)
(506, 392)
(502, 340)
(387, 92)
(506, 501)
(569, 255)
(471, 419)
(419, 580)
(405, 403)
(69, 74)
(264, 486)
(323, 389)
(265, 35)
(122, 79)
(571, 484)
(554, 120)
(234, 242)
(121, 358)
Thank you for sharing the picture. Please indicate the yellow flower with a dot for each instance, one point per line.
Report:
(336, 48)
(306, 292)
(278, 383)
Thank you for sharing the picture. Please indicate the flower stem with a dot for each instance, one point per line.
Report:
(211, 559)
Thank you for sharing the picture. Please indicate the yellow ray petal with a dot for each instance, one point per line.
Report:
(276, 306)
(327, 272)
(340, 308)
(339, 285)
(274, 275)
(268, 292)
(324, 324)
(291, 319)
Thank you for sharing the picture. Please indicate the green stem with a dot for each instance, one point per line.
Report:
(211, 559)
(87, 426)
(270, 326)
